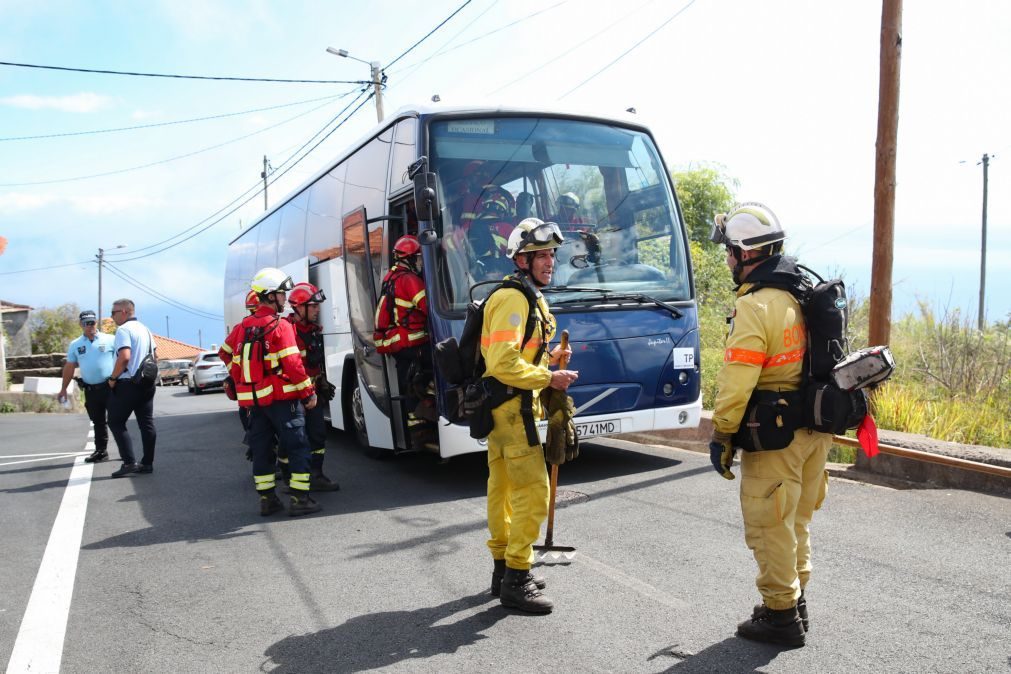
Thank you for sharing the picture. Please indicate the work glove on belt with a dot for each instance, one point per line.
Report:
(721, 453)
(325, 389)
(562, 443)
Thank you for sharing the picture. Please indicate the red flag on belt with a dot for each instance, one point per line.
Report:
(867, 434)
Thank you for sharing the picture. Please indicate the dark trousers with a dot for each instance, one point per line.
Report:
(96, 399)
(315, 428)
(126, 399)
(286, 420)
(412, 363)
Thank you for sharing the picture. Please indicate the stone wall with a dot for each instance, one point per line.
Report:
(39, 365)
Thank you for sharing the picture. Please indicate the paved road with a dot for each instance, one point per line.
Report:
(178, 573)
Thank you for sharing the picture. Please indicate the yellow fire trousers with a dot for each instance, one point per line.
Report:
(517, 489)
(780, 490)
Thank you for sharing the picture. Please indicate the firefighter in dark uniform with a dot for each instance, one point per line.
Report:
(402, 329)
(274, 385)
(304, 300)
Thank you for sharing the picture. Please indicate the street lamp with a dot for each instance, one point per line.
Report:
(101, 258)
(377, 77)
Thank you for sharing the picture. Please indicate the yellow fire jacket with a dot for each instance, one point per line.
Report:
(505, 318)
(764, 350)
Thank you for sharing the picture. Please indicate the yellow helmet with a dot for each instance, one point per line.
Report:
(270, 280)
(533, 234)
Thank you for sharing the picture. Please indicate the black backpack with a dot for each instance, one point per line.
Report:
(462, 365)
(819, 405)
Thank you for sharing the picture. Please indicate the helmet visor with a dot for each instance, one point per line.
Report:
(317, 298)
(718, 234)
(286, 286)
(543, 234)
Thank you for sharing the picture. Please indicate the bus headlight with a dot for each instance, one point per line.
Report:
(668, 389)
(682, 377)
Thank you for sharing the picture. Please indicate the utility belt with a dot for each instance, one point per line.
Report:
(482, 397)
(772, 417)
(90, 387)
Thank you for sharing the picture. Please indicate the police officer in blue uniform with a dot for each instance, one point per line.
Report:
(93, 353)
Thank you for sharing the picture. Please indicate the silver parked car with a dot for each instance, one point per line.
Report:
(207, 371)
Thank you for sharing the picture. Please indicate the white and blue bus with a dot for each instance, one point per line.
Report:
(623, 283)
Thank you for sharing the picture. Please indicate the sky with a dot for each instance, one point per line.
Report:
(781, 96)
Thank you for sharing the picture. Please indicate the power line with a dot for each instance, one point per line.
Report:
(443, 52)
(181, 77)
(414, 67)
(46, 268)
(571, 49)
(168, 159)
(257, 186)
(630, 49)
(159, 296)
(277, 175)
(428, 35)
(178, 121)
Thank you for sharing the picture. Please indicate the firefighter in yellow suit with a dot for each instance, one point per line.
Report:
(517, 477)
(780, 489)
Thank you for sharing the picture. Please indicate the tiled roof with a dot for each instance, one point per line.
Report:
(170, 349)
(11, 306)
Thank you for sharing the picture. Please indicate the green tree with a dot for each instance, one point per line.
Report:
(53, 329)
(703, 192)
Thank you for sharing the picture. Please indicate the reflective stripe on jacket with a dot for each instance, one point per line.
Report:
(764, 350)
(505, 318)
(410, 321)
(284, 376)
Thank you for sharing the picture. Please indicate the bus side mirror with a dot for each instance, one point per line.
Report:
(427, 237)
(426, 199)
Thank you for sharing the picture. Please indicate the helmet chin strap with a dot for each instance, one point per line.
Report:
(741, 263)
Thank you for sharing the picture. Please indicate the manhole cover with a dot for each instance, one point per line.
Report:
(567, 497)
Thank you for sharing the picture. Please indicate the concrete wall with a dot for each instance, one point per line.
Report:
(39, 365)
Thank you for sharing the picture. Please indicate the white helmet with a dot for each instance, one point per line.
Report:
(533, 234)
(270, 280)
(748, 226)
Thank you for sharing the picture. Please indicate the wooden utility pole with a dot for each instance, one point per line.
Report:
(884, 173)
(982, 252)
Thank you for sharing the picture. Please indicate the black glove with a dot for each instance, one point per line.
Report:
(721, 453)
(325, 389)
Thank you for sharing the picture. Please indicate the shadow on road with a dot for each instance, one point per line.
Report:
(730, 655)
(377, 640)
(202, 488)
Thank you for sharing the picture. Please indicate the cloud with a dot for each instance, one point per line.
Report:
(20, 202)
(83, 102)
(106, 204)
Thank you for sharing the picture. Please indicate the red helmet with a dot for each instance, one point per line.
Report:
(406, 246)
(252, 300)
(305, 293)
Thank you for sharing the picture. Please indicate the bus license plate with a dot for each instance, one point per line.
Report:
(595, 428)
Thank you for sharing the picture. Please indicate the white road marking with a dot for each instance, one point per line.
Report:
(45, 458)
(39, 645)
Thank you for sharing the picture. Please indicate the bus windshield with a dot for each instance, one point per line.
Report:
(603, 184)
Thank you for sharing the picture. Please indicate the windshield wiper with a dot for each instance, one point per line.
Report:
(573, 289)
(608, 295)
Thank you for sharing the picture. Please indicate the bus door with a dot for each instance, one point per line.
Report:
(374, 409)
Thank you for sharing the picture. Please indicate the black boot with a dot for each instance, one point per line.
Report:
(320, 482)
(801, 610)
(774, 627)
(301, 504)
(499, 572)
(519, 592)
(269, 503)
